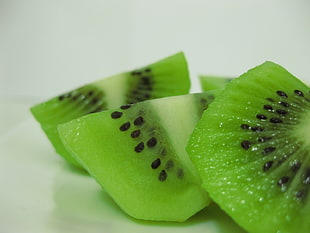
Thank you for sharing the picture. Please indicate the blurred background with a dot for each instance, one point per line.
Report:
(48, 47)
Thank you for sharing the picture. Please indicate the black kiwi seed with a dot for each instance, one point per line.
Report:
(257, 129)
(62, 97)
(268, 107)
(268, 150)
(147, 70)
(284, 104)
(116, 114)
(264, 139)
(300, 193)
(245, 126)
(156, 163)
(90, 93)
(275, 120)
(74, 98)
(95, 100)
(306, 176)
(125, 106)
(261, 117)
(299, 93)
(136, 72)
(270, 99)
(124, 126)
(267, 166)
(295, 165)
(146, 80)
(135, 133)
(281, 112)
(169, 164)
(246, 144)
(139, 121)
(203, 101)
(283, 180)
(139, 147)
(162, 175)
(151, 142)
(282, 94)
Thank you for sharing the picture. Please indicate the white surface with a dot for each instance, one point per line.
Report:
(48, 47)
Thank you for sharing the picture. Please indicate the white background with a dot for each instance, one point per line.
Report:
(47, 47)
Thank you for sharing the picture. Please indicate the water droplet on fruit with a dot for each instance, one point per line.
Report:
(261, 199)
(78, 133)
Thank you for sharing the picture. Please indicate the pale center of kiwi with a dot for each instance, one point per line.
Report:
(180, 129)
(112, 96)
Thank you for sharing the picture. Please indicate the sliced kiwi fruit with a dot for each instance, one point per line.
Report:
(166, 77)
(137, 154)
(252, 150)
(209, 82)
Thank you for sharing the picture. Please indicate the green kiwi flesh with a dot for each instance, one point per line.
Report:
(252, 150)
(167, 77)
(137, 154)
(209, 82)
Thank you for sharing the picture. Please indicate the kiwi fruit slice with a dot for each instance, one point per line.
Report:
(252, 150)
(209, 82)
(166, 77)
(137, 154)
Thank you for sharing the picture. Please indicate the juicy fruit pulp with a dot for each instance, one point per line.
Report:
(213, 82)
(137, 154)
(166, 77)
(252, 150)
